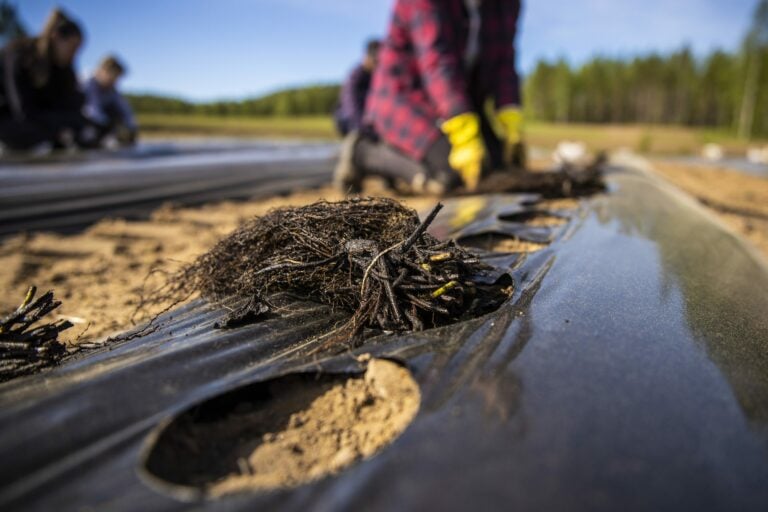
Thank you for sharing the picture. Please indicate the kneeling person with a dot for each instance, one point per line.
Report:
(354, 91)
(40, 98)
(445, 99)
(106, 107)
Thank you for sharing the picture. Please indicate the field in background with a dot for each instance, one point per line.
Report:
(667, 140)
(163, 125)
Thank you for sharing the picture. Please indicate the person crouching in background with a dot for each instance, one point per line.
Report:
(106, 107)
(354, 91)
(444, 104)
(40, 98)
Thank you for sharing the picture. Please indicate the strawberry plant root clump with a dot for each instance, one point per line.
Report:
(371, 257)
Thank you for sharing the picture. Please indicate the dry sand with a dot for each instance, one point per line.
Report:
(351, 421)
(739, 199)
(291, 431)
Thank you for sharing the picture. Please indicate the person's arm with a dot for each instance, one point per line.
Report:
(507, 93)
(72, 96)
(10, 77)
(362, 86)
(441, 67)
(94, 108)
(352, 107)
(126, 112)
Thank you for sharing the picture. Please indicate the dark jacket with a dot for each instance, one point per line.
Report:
(33, 89)
(354, 92)
(106, 107)
(421, 78)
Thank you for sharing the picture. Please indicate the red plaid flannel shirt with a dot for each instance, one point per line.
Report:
(421, 79)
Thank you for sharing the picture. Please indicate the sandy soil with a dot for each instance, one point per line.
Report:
(494, 242)
(349, 421)
(284, 432)
(739, 199)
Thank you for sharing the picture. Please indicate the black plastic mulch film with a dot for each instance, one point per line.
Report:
(603, 382)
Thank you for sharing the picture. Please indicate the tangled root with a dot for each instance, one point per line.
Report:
(370, 257)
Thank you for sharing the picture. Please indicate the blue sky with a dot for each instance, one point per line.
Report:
(210, 49)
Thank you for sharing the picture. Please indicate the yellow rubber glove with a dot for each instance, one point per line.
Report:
(511, 119)
(467, 149)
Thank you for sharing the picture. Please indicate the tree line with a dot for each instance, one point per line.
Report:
(722, 90)
(673, 89)
(303, 101)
